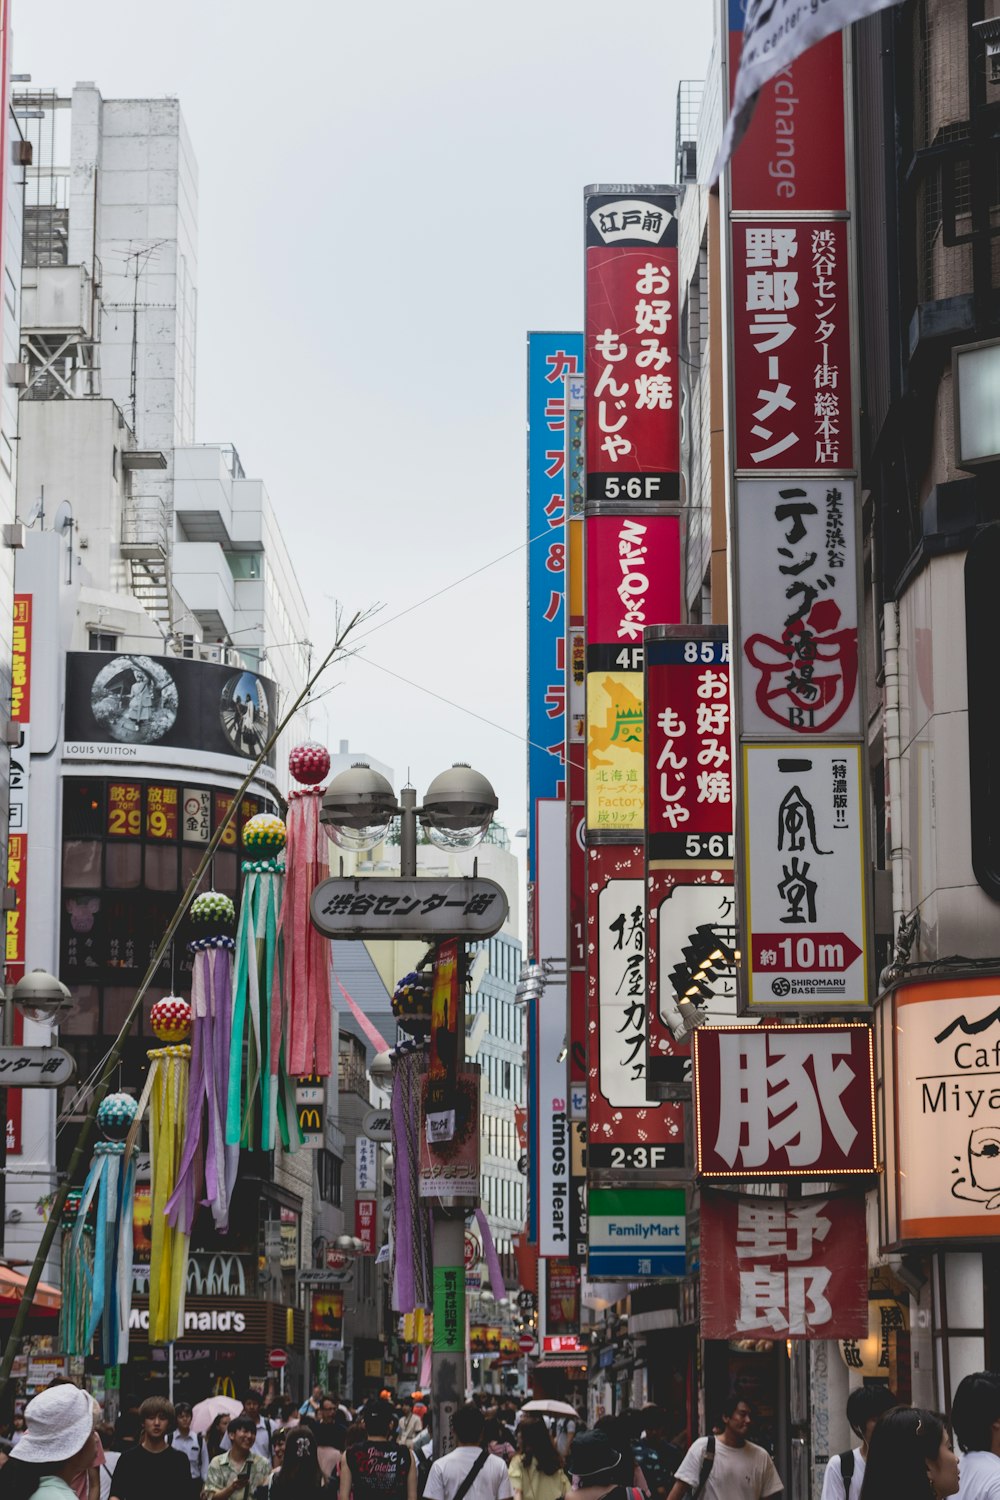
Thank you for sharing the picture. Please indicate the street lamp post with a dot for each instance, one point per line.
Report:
(457, 811)
(40, 997)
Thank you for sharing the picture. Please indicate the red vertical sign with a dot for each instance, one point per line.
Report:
(633, 388)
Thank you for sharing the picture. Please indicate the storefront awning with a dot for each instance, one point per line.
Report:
(12, 1284)
(559, 1362)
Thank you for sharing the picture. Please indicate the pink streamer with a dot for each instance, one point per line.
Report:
(369, 1028)
(305, 986)
(425, 1370)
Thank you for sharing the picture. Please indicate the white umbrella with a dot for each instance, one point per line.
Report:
(551, 1408)
(205, 1413)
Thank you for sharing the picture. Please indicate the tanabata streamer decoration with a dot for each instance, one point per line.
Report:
(205, 1143)
(411, 1226)
(77, 1273)
(411, 1002)
(306, 953)
(110, 1186)
(167, 1094)
(261, 1102)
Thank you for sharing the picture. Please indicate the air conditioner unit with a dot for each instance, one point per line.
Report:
(17, 374)
(189, 646)
(212, 653)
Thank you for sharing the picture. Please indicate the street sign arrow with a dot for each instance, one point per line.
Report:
(35, 1067)
(826, 952)
(394, 906)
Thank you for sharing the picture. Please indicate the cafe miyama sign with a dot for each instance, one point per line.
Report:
(943, 1156)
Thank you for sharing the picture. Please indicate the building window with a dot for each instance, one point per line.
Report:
(329, 1175)
(103, 640)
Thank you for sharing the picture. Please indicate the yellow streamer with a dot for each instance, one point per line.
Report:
(169, 1250)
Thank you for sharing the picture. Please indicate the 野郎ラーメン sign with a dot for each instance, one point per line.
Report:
(689, 772)
(784, 1101)
(636, 1232)
(632, 376)
(798, 611)
(633, 574)
(941, 1108)
(806, 910)
(791, 346)
(779, 1268)
(624, 1131)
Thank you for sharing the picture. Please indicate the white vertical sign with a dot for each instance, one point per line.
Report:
(551, 1007)
(806, 879)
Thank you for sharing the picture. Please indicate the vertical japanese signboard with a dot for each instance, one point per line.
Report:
(633, 398)
(633, 580)
(798, 607)
(20, 773)
(690, 901)
(805, 933)
(624, 1131)
(793, 510)
(552, 357)
(776, 1269)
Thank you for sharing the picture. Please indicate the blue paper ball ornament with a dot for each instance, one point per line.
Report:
(115, 1115)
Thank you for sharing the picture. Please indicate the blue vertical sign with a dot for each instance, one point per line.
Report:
(551, 357)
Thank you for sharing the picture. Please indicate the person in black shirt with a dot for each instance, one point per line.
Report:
(153, 1470)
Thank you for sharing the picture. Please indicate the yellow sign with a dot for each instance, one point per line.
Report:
(615, 741)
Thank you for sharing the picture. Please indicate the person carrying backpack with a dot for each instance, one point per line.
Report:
(727, 1466)
(845, 1471)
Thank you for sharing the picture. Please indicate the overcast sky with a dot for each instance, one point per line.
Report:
(390, 196)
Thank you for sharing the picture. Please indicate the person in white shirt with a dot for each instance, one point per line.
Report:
(262, 1442)
(468, 1472)
(845, 1471)
(726, 1466)
(975, 1417)
(191, 1444)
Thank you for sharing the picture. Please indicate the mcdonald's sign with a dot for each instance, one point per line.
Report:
(310, 1103)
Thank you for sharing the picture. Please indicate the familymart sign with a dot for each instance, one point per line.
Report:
(636, 1232)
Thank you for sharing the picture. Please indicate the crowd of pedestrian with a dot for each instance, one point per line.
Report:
(61, 1450)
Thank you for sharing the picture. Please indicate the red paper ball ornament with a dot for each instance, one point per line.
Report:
(170, 1019)
(309, 763)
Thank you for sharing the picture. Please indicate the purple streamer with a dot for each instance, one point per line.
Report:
(492, 1259)
(404, 1248)
(208, 1092)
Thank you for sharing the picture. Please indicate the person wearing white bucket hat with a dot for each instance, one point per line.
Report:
(59, 1444)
